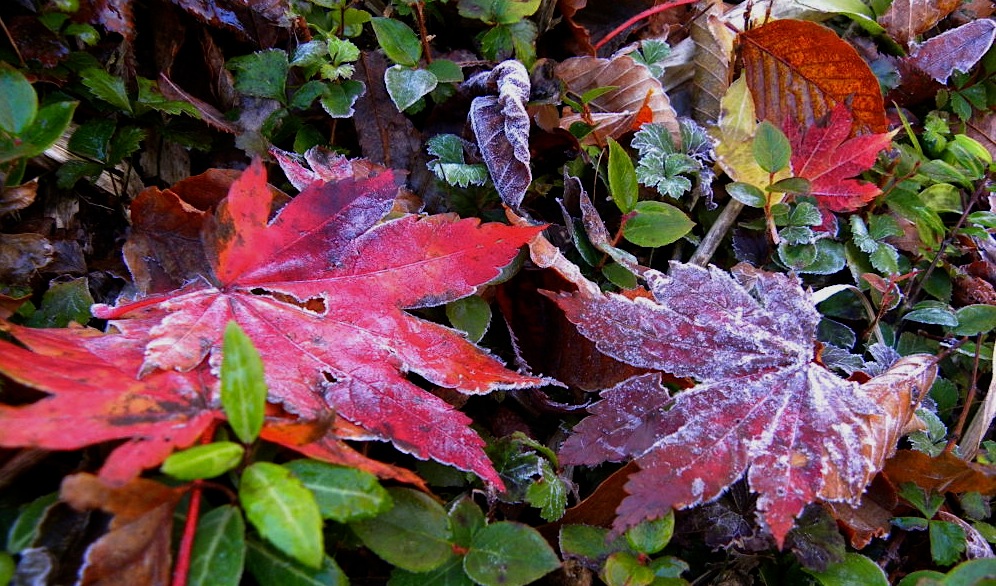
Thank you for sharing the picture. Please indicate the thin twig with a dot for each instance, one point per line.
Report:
(716, 233)
(973, 383)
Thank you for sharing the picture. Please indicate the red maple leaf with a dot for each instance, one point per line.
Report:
(762, 406)
(321, 290)
(829, 160)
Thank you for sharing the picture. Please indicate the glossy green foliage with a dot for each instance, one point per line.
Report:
(284, 512)
(206, 461)
(343, 494)
(243, 385)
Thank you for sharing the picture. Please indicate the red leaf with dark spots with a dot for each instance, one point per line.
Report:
(321, 290)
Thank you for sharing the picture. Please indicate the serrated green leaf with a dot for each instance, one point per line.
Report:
(651, 536)
(343, 494)
(18, 101)
(414, 535)
(509, 554)
(126, 141)
(340, 98)
(885, 259)
(283, 511)
(471, 315)
(243, 386)
(656, 223)
(24, 529)
(855, 569)
(150, 97)
(106, 87)
(206, 461)
(548, 493)
(219, 551)
(93, 138)
(498, 11)
(62, 303)
(309, 56)
(772, 150)
(269, 566)
(342, 51)
(262, 74)
(407, 86)
(399, 42)
(947, 542)
(651, 54)
(622, 178)
(975, 319)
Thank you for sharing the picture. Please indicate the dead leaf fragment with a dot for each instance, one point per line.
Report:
(614, 112)
(958, 49)
(22, 255)
(905, 20)
(944, 473)
(800, 71)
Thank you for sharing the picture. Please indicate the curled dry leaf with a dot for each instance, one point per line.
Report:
(615, 112)
(763, 405)
(799, 70)
(501, 125)
(907, 19)
(713, 55)
(958, 49)
(136, 547)
(982, 127)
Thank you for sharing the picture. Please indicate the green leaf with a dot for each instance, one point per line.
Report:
(262, 74)
(624, 569)
(205, 461)
(975, 319)
(799, 185)
(885, 259)
(942, 197)
(747, 194)
(413, 535)
(855, 569)
(466, 519)
(619, 275)
(450, 165)
(548, 493)
(656, 224)
(829, 258)
(243, 386)
(947, 542)
(651, 536)
(283, 511)
(306, 95)
(125, 142)
(449, 574)
(509, 554)
(339, 98)
(7, 568)
(928, 505)
(399, 42)
(471, 315)
(343, 494)
(980, 572)
(310, 56)
(49, 124)
(18, 101)
(942, 172)
(342, 51)
(106, 87)
(63, 303)
(407, 86)
(269, 566)
(933, 312)
(24, 529)
(498, 11)
(622, 178)
(651, 54)
(72, 171)
(93, 138)
(149, 96)
(588, 542)
(446, 71)
(219, 552)
(771, 147)
(504, 40)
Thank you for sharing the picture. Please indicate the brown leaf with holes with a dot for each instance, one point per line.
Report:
(944, 473)
(614, 112)
(907, 19)
(801, 71)
(136, 547)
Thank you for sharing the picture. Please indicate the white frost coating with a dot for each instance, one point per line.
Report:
(698, 487)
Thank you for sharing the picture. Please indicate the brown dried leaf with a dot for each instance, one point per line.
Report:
(982, 127)
(616, 111)
(801, 70)
(18, 197)
(21, 255)
(713, 55)
(136, 548)
(386, 135)
(944, 473)
(213, 116)
(957, 49)
(907, 19)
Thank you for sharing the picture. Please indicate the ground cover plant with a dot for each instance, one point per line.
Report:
(497, 292)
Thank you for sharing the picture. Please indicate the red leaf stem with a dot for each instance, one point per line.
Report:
(645, 14)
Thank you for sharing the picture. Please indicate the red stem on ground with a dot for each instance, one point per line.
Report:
(185, 551)
(645, 14)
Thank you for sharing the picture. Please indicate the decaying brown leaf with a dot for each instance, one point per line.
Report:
(386, 135)
(944, 473)
(615, 112)
(801, 70)
(907, 19)
(713, 55)
(23, 254)
(958, 49)
(136, 548)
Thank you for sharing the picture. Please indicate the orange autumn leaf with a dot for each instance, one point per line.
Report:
(800, 71)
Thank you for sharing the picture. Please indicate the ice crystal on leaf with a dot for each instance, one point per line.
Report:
(763, 404)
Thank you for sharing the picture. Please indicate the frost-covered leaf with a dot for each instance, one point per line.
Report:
(762, 406)
(321, 291)
(651, 54)
(339, 98)
(407, 86)
(829, 160)
(958, 49)
(450, 165)
(662, 165)
(501, 126)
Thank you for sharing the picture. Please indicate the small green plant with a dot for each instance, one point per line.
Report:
(947, 539)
